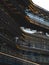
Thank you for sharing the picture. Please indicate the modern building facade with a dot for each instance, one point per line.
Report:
(18, 47)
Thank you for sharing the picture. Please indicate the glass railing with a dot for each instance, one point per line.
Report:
(34, 43)
(36, 57)
(37, 18)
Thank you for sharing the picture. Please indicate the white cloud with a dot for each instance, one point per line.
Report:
(42, 3)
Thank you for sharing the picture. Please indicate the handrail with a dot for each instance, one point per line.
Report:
(23, 60)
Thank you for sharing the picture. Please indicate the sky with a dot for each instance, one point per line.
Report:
(42, 3)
